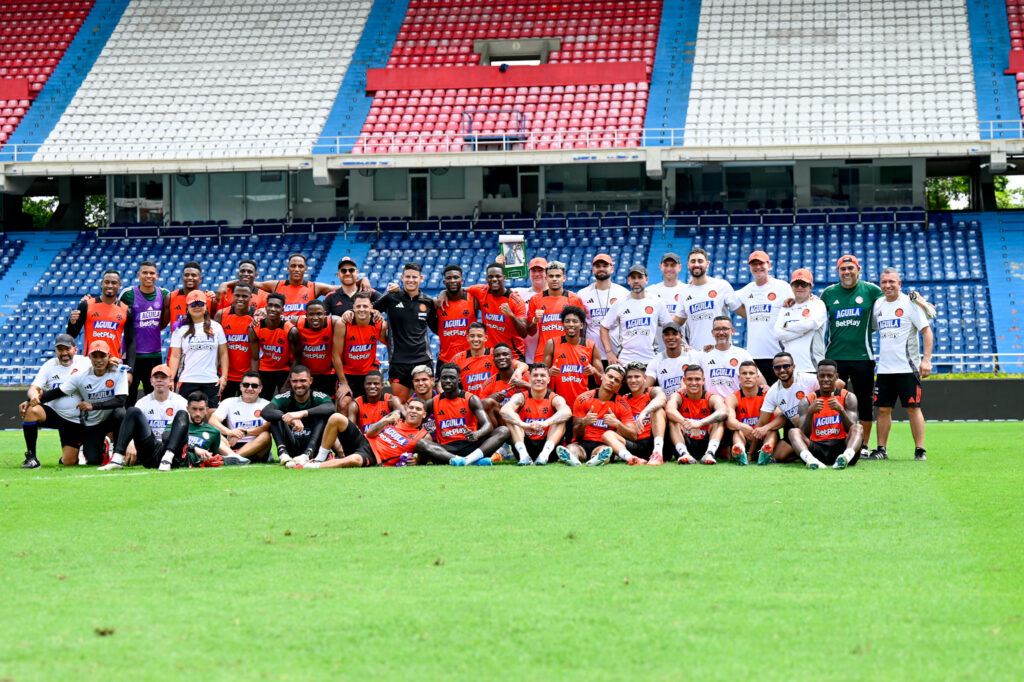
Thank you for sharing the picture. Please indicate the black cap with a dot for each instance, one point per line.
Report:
(64, 340)
(671, 326)
(638, 268)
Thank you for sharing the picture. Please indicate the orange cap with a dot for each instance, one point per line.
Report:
(759, 255)
(99, 346)
(162, 369)
(538, 262)
(194, 296)
(848, 258)
(802, 275)
(603, 257)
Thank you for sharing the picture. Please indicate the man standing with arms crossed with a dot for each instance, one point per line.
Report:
(901, 363)
(669, 290)
(411, 313)
(800, 328)
(143, 350)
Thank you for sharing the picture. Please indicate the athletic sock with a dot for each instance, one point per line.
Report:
(681, 449)
(806, 456)
(545, 452)
(713, 446)
(168, 457)
(117, 458)
(282, 454)
(659, 444)
(624, 454)
(474, 456)
(322, 455)
(521, 449)
(848, 454)
(31, 431)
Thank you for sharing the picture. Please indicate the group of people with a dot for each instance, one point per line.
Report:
(641, 373)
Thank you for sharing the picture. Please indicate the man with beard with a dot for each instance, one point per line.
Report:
(313, 340)
(62, 414)
(374, 410)
(544, 313)
(240, 421)
(247, 272)
(638, 317)
(464, 434)
(297, 417)
(602, 421)
(503, 311)
(340, 300)
(237, 320)
(704, 299)
(800, 328)
(509, 378)
(271, 353)
(762, 300)
(536, 419)
(599, 297)
(647, 406)
(176, 305)
(780, 408)
(828, 433)
(455, 312)
(105, 318)
(358, 349)
(696, 419)
(143, 348)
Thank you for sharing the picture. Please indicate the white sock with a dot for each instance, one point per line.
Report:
(322, 455)
(713, 446)
(521, 449)
(168, 457)
(117, 458)
(545, 452)
(624, 454)
(474, 456)
(848, 454)
(681, 449)
(806, 456)
(659, 444)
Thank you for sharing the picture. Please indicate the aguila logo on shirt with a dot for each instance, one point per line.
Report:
(712, 293)
(899, 312)
(110, 383)
(649, 310)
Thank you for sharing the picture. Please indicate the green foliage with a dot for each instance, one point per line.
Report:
(96, 211)
(1005, 197)
(41, 209)
(895, 570)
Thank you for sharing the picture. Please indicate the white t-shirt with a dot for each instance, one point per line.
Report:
(763, 306)
(787, 400)
(235, 413)
(668, 372)
(700, 305)
(52, 374)
(160, 414)
(93, 389)
(597, 304)
(899, 323)
(670, 296)
(638, 321)
(722, 369)
(526, 293)
(801, 332)
(198, 353)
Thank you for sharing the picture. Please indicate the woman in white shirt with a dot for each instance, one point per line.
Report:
(198, 346)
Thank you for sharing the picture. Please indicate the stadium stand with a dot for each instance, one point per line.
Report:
(554, 108)
(831, 72)
(1004, 253)
(9, 251)
(35, 38)
(997, 90)
(198, 80)
(673, 72)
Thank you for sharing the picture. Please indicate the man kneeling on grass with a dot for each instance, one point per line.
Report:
(828, 432)
(394, 445)
(536, 420)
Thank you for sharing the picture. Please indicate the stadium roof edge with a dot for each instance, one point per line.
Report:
(652, 156)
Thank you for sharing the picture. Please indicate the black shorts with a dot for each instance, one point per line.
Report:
(68, 431)
(534, 446)
(764, 365)
(211, 391)
(641, 448)
(460, 448)
(828, 450)
(402, 373)
(859, 376)
(232, 389)
(272, 383)
(696, 447)
(92, 437)
(906, 387)
(357, 384)
(353, 442)
(590, 445)
(326, 384)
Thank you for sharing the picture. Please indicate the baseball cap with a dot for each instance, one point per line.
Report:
(671, 256)
(848, 258)
(671, 326)
(64, 340)
(603, 257)
(194, 296)
(759, 255)
(538, 262)
(347, 259)
(99, 346)
(802, 275)
(638, 268)
(164, 369)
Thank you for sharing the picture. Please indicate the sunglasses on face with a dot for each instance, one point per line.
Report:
(783, 367)
(343, 270)
(196, 304)
(250, 385)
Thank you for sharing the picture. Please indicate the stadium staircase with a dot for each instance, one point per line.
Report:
(673, 71)
(71, 35)
(351, 106)
(36, 252)
(990, 47)
(1003, 237)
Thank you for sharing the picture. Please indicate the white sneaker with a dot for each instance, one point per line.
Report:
(284, 459)
(301, 459)
(686, 458)
(110, 466)
(815, 463)
(840, 462)
(708, 459)
(235, 459)
(164, 466)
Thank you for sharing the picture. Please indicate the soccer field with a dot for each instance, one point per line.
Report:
(888, 570)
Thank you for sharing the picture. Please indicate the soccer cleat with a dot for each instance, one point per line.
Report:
(235, 460)
(164, 466)
(655, 460)
(742, 458)
(31, 461)
(866, 454)
(505, 454)
(567, 457)
(525, 461)
(840, 462)
(815, 464)
(108, 451)
(763, 458)
(636, 461)
(483, 462)
(111, 466)
(708, 459)
(301, 459)
(600, 457)
(457, 461)
(877, 453)
(686, 458)
(540, 461)
(283, 457)
(919, 455)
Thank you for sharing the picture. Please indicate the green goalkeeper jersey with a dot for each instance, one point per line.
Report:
(849, 320)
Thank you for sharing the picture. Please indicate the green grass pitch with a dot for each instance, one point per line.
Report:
(891, 570)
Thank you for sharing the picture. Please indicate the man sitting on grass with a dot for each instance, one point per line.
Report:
(829, 433)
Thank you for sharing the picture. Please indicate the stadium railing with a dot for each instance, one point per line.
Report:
(452, 142)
